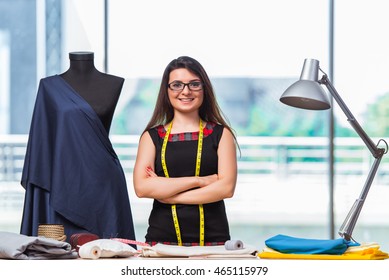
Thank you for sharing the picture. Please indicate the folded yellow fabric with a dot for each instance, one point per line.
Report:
(366, 251)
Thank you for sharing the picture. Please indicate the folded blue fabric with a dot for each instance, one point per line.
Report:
(293, 245)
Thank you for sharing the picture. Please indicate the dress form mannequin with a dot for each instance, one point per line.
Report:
(71, 174)
(100, 90)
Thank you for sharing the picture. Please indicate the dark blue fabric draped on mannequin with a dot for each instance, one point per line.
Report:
(72, 175)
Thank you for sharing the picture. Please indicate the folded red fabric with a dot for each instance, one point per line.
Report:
(79, 239)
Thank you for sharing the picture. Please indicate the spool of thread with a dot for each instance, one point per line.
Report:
(88, 252)
(233, 245)
(52, 231)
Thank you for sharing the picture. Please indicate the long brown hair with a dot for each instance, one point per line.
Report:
(209, 110)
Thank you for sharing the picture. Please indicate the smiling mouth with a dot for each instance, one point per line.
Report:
(186, 99)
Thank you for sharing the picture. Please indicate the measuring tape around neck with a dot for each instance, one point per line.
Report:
(197, 173)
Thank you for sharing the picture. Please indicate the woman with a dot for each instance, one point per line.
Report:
(186, 160)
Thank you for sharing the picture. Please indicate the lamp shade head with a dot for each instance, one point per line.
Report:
(307, 93)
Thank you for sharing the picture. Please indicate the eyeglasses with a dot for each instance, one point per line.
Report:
(179, 86)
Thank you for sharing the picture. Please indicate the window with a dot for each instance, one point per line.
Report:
(252, 51)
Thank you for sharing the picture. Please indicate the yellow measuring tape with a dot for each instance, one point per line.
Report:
(197, 173)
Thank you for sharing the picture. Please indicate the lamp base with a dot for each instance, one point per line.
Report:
(348, 225)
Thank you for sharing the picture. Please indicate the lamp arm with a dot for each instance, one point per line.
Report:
(375, 151)
(349, 223)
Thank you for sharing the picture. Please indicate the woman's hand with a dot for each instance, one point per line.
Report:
(150, 172)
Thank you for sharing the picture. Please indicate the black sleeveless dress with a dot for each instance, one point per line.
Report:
(180, 159)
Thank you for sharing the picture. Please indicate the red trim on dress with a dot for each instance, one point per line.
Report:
(207, 130)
